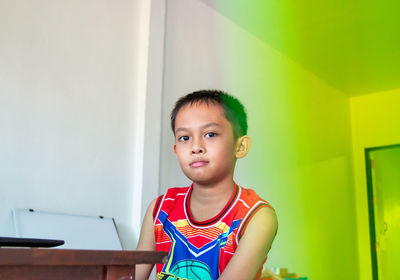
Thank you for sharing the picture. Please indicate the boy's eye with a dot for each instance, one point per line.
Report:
(183, 138)
(211, 134)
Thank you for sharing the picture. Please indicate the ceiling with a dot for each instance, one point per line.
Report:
(354, 45)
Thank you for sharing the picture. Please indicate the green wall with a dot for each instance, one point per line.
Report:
(375, 122)
(301, 156)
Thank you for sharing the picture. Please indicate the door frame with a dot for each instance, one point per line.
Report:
(371, 215)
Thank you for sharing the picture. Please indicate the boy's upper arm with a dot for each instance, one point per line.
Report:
(253, 246)
(146, 242)
(146, 239)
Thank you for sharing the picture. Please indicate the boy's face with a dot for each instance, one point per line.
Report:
(204, 143)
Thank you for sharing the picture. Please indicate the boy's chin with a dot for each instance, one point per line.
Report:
(200, 180)
(204, 180)
(206, 176)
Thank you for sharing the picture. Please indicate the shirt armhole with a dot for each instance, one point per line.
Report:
(157, 207)
(243, 225)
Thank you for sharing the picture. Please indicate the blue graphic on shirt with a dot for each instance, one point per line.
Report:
(186, 261)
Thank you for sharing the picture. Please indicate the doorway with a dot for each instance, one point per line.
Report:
(383, 182)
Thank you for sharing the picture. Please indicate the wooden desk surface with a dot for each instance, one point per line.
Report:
(67, 257)
(65, 264)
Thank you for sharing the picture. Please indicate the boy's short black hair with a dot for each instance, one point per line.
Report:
(234, 110)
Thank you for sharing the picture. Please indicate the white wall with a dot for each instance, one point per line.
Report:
(73, 87)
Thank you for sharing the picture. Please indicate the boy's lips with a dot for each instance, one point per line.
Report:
(198, 163)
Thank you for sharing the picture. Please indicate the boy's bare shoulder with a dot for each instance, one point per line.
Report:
(152, 204)
(265, 216)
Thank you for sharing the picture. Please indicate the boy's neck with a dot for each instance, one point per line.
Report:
(207, 201)
(213, 193)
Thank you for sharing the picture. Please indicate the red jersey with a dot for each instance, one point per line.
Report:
(200, 250)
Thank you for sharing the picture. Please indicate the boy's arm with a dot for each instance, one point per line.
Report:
(146, 242)
(253, 246)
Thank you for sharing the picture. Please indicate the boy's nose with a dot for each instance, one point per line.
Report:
(197, 147)
(197, 150)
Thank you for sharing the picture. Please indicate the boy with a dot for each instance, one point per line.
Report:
(213, 229)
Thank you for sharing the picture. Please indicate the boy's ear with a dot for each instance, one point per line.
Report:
(243, 145)
(175, 149)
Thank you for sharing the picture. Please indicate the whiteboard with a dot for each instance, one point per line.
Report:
(78, 232)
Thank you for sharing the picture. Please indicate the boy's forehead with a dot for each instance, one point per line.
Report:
(198, 112)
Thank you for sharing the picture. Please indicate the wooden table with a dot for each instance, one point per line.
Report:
(59, 264)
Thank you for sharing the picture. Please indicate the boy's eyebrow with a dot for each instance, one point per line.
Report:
(210, 124)
(203, 127)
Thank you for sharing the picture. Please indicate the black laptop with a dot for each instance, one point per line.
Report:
(29, 242)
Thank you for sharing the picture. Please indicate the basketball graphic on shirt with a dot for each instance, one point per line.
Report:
(191, 270)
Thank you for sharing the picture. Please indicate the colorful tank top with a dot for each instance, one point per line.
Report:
(200, 250)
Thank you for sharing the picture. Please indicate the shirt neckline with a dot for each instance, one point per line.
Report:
(215, 218)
